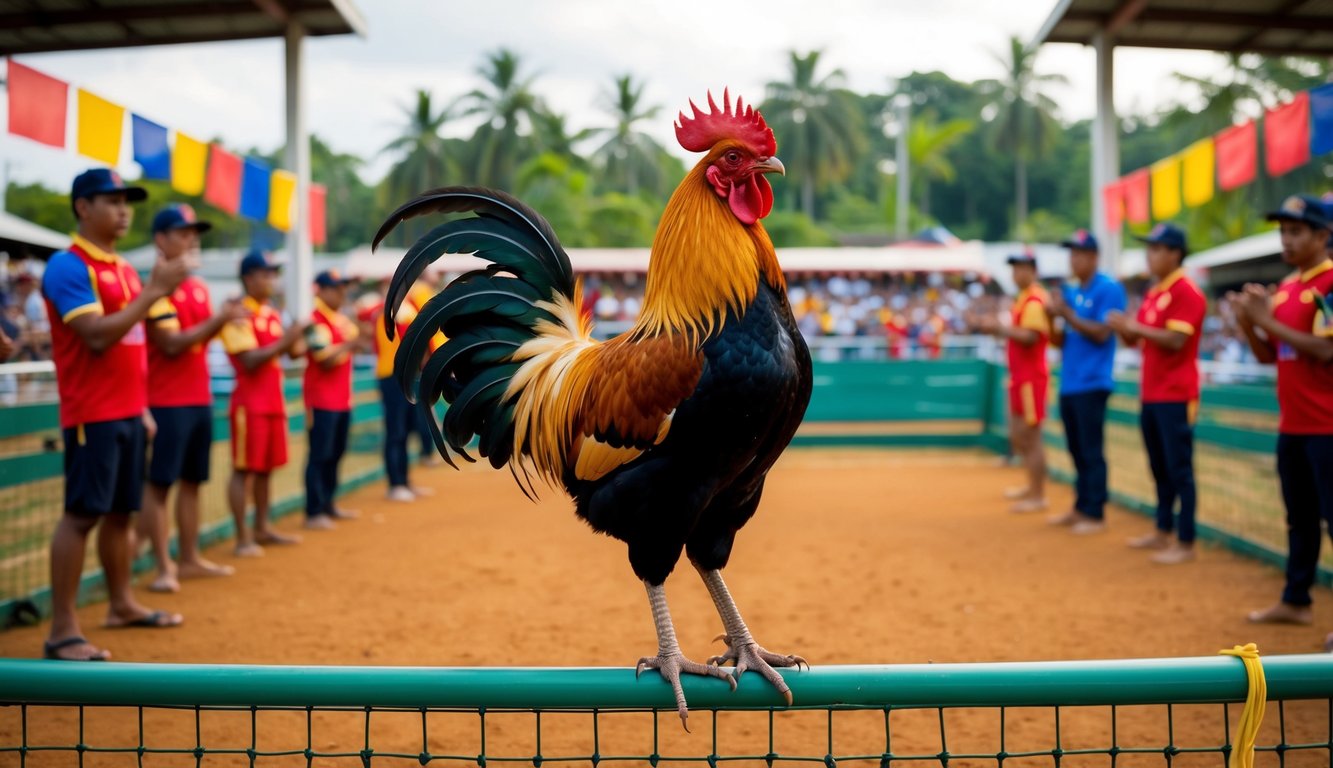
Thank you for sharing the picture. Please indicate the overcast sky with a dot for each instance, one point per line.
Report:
(358, 87)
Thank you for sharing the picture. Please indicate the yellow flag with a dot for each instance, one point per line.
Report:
(188, 159)
(282, 193)
(101, 125)
(1198, 161)
(1166, 188)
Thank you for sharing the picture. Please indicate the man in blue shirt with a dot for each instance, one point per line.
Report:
(1085, 378)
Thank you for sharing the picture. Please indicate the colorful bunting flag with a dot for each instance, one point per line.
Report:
(1166, 188)
(318, 200)
(1236, 149)
(1135, 190)
(255, 190)
(187, 165)
(1321, 118)
(282, 193)
(37, 105)
(101, 127)
(151, 150)
(1287, 136)
(1197, 172)
(223, 188)
(1113, 205)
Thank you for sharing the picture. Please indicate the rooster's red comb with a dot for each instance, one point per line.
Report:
(700, 132)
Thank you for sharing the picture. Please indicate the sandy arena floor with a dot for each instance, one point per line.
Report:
(855, 557)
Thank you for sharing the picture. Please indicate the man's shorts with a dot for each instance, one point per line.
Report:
(1027, 400)
(182, 446)
(258, 441)
(104, 467)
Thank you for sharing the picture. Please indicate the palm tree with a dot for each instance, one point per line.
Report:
(928, 145)
(818, 125)
(424, 161)
(628, 156)
(1249, 84)
(1024, 124)
(510, 109)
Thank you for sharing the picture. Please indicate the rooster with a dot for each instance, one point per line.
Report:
(663, 435)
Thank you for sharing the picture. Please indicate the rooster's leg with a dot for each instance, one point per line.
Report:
(741, 647)
(669, 661)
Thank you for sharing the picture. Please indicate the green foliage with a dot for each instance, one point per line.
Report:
(793, 229)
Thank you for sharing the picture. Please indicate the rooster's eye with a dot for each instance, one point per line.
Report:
(733, 157)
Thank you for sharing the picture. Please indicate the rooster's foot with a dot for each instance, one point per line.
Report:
(752, 656)
(671, 667)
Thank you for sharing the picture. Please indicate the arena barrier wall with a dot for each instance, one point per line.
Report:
(1032, 713)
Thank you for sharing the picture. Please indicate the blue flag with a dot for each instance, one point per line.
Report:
(255, 190)
(150, 148)
(1321, 119)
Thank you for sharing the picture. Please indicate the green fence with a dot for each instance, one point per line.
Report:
(1176, 712)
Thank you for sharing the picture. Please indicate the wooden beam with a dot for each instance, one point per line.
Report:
(1246, 21)
(1126, 13)
(137, 41)
(40, 19)
(274, 10)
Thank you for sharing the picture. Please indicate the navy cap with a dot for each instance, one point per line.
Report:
(256, 260)
(104, 181)
(1082, 239)
(1027, 257)
(1303, 208)
(178, 216)
(331, 278)
(1167, 234)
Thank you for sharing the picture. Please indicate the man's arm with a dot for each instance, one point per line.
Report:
(168, 337)
(101, 331)
(1260, 315)
(251, 359)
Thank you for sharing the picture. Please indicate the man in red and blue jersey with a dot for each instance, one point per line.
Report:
(1293, 328)
(96, 305)
(258, 409)
(331, 340)
(1167, 331)
(180, 397)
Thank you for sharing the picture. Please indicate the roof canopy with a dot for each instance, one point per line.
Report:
(1274, 27)
(39, 26)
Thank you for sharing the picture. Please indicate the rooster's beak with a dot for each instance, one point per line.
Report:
(771, 165)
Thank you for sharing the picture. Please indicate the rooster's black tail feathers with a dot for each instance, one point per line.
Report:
(486, 314)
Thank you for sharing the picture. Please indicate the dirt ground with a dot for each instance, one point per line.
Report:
(855, 557)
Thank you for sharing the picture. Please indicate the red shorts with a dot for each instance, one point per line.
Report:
(1027, 400)
(258, 441)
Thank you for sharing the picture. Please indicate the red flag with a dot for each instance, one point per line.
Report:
(1134, 188)
(223, 188)
(1113, 202)
(318, 198)
(1236, 155)
(37, 105)
(1287, 136)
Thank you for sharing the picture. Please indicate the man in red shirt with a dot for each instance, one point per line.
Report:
(96, 304)
(181, 399)
(331, 341)
(258, 408)
(1026, 338)
(1167, 331)
(1291, 329)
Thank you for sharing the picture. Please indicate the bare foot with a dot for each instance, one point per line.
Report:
(143, 617)
(1174, 555)
(319, 523)
(248, 549)
(1027, 505)
(164, 583)
(273, 537)
(73, 649)
(203, 569)
(345, 514)
(672, 667)
(421, 490)
(1016, 493)
(1154, 540)
(1283, 613)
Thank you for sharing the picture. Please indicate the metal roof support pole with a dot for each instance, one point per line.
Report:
(300, 253)
(1105, 150)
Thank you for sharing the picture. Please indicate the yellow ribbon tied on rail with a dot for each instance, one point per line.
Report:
(1252, 716)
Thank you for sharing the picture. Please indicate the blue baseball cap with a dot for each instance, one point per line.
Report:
(1027, 257)
(332, 278)
(1082, 239)
(1169, 235)
(104, 181)
(178, 216)
(256, 260)
(1306, 209)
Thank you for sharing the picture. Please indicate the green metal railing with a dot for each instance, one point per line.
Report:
(947, 714)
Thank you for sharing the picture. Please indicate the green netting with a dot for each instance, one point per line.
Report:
(1175, 712)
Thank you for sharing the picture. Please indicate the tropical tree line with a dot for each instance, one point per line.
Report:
(991, 159)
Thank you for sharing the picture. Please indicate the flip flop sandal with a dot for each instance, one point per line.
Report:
(51, 651)
(154, 620)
